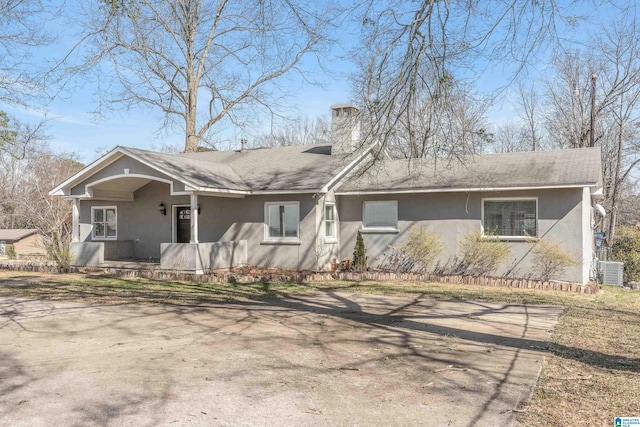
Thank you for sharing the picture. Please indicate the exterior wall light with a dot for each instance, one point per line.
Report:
(162, 208)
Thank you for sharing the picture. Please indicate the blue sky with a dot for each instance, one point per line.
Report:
(73, 129)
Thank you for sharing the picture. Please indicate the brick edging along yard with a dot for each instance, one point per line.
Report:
(257, 276)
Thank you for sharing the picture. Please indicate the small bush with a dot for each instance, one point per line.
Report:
(481, 255)
(11, 252)
(423, 246)
(359, 255)
(58, 251)
(626, 249)
(396, 260)
(550, 259)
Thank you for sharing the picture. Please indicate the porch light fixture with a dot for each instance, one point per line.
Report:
(162, 208)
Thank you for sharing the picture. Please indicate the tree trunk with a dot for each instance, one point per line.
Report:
(616, 187)
(192, 140)
(192, 77)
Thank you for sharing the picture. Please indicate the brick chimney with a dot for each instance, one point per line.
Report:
(345, 128)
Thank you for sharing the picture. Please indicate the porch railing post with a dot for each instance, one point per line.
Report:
(75, 221)
(194, 218)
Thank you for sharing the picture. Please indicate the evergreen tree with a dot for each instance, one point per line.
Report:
(359, 254)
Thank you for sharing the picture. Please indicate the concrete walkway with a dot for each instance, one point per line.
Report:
(324, 359)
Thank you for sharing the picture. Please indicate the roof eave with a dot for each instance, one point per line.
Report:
(462, 189)
(93, 167)
(104, 161)
(337, 178)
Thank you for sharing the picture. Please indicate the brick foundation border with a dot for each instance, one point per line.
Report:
(304, 276)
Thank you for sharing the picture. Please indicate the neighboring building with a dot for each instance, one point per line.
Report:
(27, 243)
(300, 207)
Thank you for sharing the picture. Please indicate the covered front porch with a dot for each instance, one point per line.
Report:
(129, 218)
(196, 258)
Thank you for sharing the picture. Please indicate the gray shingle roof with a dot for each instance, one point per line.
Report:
(16, 233)
(195, 170)
(296, 168)
(571, 167)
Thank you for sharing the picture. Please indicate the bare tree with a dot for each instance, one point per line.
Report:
(300, 130)
(415, 50)
(30, 170)
(200, 62)
(629, 206)
(568, 98)
(510, 137)
(21, 31)
(50, 215)
(529, 113)
(614, 58)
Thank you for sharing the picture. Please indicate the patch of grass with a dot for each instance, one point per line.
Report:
(590, 376)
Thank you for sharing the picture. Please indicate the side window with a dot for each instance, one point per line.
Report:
(282, 220)
(510, 217)
(104, 220)
(330, 226)
(380, 215)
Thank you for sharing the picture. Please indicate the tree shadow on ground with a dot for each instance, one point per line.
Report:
(193, 294)
(396, 325)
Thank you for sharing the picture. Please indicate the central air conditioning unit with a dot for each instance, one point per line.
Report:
(610, 272)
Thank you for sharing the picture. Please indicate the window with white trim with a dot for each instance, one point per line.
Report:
(510, 217)
(282, 220)
(330, 226)
(380, 215)
(104, 220)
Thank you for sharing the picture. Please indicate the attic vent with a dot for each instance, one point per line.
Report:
(611, 272)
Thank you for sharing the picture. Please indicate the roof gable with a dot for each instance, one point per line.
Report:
(307, 168)
(16, 234)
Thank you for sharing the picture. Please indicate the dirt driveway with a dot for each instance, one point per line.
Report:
(322, 359)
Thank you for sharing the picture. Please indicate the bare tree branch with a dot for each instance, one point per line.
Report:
(199, 61)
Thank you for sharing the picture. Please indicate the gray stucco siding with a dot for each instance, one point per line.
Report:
(234, 219)
(453, 215)
(138, 221)
(221, 219)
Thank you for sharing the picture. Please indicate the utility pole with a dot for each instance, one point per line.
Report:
(593, 111)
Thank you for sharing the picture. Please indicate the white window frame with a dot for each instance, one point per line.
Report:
(327, 238)
(93, 228)
(510, 199)
(392, 229)
(291, 240)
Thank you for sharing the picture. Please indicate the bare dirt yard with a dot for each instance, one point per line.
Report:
(321, 358)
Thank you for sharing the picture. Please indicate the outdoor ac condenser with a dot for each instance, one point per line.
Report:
(611, 272)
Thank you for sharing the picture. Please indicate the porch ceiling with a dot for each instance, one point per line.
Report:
(125, 185)
(118, 188)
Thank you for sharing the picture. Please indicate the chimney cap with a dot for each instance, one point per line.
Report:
(243, 145)
(338, 106)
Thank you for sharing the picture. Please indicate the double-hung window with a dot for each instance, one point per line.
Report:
(330, 226)
(380, 215)
(282, 221)
(510, 217)
(104, 220)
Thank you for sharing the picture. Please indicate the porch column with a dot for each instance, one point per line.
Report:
(194, 218)
(75, 221)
